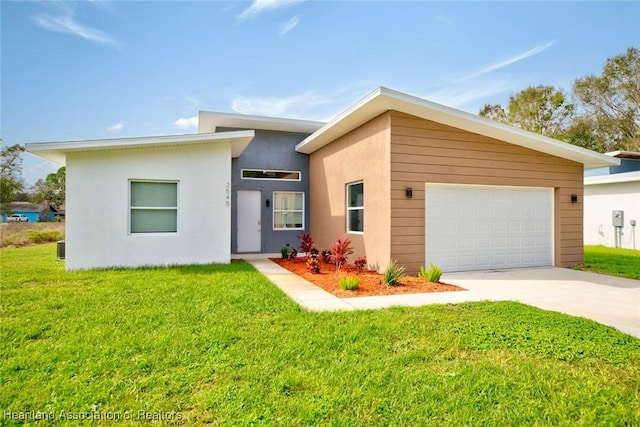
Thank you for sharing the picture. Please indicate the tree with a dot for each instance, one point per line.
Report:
(541, 109)
(612, 100)
(10, 170)
(51, 190)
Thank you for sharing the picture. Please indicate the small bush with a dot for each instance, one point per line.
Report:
(433, 274)
(393, 273)
(340, 250)
(313, 265)
(43, 236)
(15, 239)
(306, 244)
(326, 256)
(284, 251)
(360, 263)
(349, 283)
(293, 254)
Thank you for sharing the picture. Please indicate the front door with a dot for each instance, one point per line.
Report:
(249, 224)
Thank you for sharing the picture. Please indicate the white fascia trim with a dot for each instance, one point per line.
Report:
(633, 155)
(57, 151)
(612, 179)
(383, 99)
(208, 121)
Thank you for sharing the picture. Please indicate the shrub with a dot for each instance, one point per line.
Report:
(360, 263)
(349, 283)
(43, 236)
(284, 251)
(306, 244)
(313, 265)
(326, 256)
(433, 274)
(293, 254)
(340, 251)
(393, 273)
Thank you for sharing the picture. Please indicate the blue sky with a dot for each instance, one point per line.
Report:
(99, 69)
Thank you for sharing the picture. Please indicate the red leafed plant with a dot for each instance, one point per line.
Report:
(340, 250)
(293, 254)
(360, 263)
(306, 244)
(326, 256)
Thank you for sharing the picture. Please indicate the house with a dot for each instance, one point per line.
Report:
(612, 191)
(34, 212)
(404, 178)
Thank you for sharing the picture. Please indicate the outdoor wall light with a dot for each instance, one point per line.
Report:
(267, 203)
(574, 198)
(408, 192)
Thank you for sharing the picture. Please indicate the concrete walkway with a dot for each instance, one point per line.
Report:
(609, 300)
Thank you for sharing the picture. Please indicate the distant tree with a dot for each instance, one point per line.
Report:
(612, 100)
(51, 190)
(10, 171)
(583, 133)
(540, 109)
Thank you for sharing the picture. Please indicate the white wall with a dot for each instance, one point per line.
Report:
(599, 201)
(97, 206)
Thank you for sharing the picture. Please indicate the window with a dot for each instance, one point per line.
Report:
(271, 175)
(154, 207)
(355, 207)
(288, 211)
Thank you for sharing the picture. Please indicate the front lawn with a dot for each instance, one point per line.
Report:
(613, 261)
(222, 345)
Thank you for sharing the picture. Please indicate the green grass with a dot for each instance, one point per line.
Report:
(612, 261)
(222, 345)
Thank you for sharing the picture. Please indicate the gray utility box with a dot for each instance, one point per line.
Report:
(61, 249)
(617, 218)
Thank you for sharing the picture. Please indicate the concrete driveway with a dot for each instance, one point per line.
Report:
(608, 300)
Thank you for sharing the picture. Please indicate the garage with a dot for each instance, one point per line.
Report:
(476, 227)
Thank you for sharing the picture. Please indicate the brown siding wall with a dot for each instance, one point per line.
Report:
(424, 151)
(362, 154)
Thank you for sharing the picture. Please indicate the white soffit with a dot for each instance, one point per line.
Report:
(383, 99)
(208, 121)
(613, 178)
(57, 151)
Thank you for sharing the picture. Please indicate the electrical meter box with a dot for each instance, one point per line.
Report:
(618, 218)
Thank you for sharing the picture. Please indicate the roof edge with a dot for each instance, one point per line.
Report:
(56, 151)
(216, 119)
(384, 99)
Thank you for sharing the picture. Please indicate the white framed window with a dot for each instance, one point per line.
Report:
(153, 206)
(273, 175)
(288, 210)
(355, 207)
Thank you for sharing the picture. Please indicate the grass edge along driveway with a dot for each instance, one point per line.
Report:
(612, 261)
(220, 344)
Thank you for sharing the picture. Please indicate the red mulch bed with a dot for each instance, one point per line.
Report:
(371, 283)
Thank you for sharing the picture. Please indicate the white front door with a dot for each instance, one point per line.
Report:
(474, 227)
(249, 224)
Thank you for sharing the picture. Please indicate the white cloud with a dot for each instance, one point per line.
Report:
(289, 25)
(116, 127)
(505, 63)
(443, 19)
(259, 6)
(310, 105)
(460, 95)
(64, 22)
(186, 123)
(277, 106)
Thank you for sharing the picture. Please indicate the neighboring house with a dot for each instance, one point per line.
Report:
(404, 178)
(615, 188)
(34, 212)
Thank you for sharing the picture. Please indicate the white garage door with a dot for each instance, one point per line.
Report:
(482, 227)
